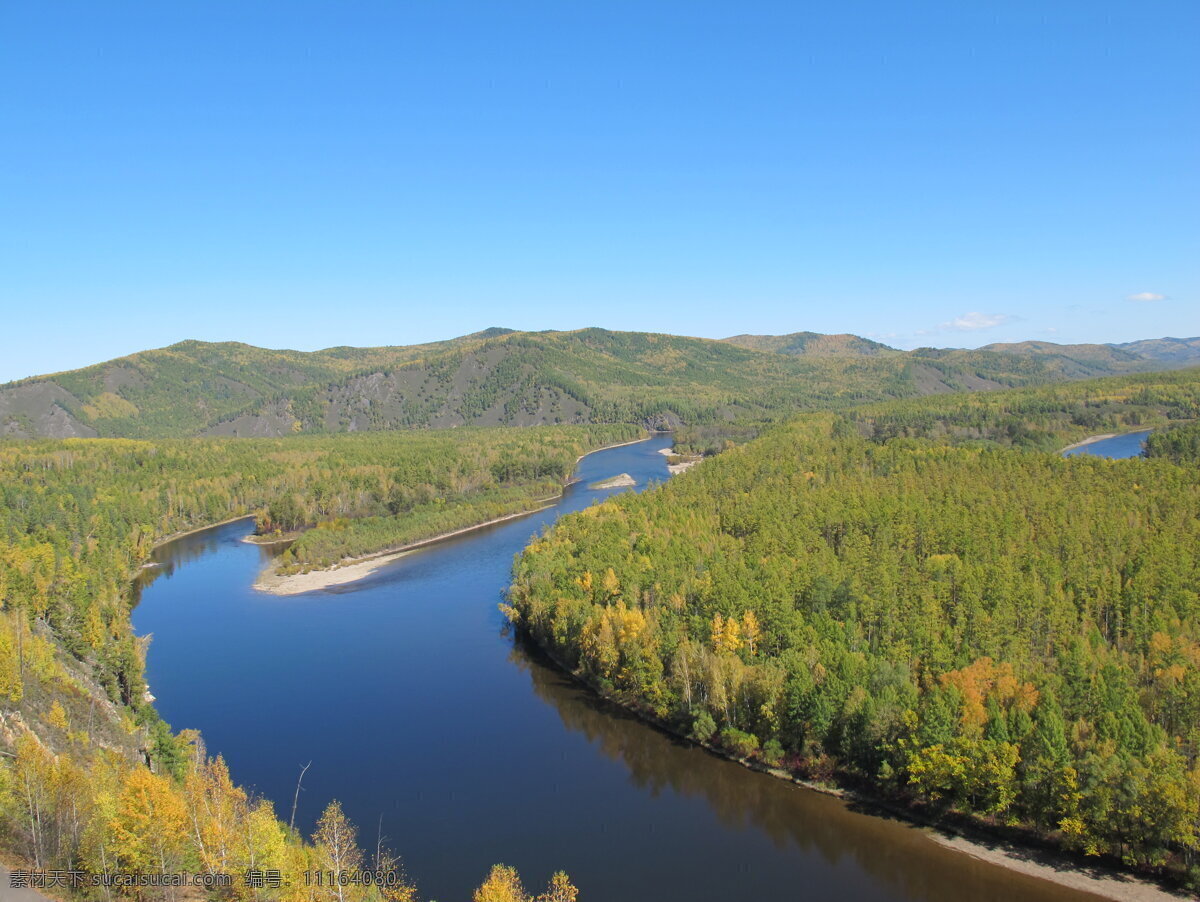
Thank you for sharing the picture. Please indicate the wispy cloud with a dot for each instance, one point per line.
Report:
(970, 322)
(1146, 297)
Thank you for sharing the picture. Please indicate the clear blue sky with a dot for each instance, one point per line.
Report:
(303, 175)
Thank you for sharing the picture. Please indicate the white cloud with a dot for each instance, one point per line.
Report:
(970, 322)
(1144, 297)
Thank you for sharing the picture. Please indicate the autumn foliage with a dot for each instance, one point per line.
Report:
(897, 594)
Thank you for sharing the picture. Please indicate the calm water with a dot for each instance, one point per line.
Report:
(419, 711)
(1118, 447)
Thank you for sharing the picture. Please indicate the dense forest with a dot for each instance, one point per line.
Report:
(1181, 444)
(433, 482)
(917, 596)
(1033, 418)
(1042, 417)
(501, 377)
(90, 777)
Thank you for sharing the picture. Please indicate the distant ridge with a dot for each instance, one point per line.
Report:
(500, 376)
(1132, 356)
(1174, 350)
(815, 344)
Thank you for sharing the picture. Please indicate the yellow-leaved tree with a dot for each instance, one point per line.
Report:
(503, 884)
(337, 851)
(751, 630)
(149, 832)
(10, 665)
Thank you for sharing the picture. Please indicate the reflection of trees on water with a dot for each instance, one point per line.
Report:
(893, 852)
(172, 555)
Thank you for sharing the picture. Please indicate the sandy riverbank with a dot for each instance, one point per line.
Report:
(253, 539)
(683, 465)
(1032, 861)
(352, 570)
(1100, 881)
(636, 441)
(275, 583)
(622, 481)
(1091, 439)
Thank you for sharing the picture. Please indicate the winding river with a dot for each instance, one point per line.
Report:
(432, 725)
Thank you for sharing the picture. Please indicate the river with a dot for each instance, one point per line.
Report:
(1118, 447)
(421, 713)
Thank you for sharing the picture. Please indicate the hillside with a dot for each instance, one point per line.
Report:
(177, 390)
(915, 597)
(501, 377)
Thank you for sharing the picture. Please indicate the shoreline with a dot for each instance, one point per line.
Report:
(686, 461)
(264, 542)
(1041, 862)
(354, 569)
(187, 532)
(620, 481)
(271, 582)
(636, 441)
(1092, 439)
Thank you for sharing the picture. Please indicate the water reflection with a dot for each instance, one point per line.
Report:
(168, 557)
(895, 853)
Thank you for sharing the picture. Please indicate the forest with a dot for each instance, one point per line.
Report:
(90, 776)
(1180, 444)
(918, 598)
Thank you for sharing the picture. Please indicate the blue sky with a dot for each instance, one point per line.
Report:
(313, 174)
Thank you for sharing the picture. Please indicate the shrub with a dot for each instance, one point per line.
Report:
(704, 726)
(741, 744)
(773, 752)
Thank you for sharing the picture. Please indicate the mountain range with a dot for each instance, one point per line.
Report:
(505, 377)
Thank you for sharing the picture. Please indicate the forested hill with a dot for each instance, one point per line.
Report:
(917, 596)
(501, 377)
(813, 343)
(177, 391)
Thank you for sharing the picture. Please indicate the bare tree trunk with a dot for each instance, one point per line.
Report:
(35, 823)
(296, 797)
